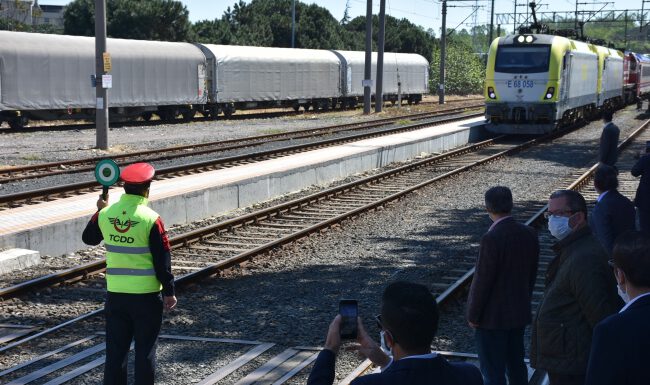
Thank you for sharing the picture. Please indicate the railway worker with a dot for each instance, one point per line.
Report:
(608, 153)
(613, 213)
(138, 267)
(580, 292)
(642, 199)
(498, 306)
(619, 353)
(409, 321)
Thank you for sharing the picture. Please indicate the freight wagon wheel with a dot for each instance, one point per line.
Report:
(147, 116)
(188, 115)
(18, 122)
(296, 107)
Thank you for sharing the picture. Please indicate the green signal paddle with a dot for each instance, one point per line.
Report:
(107, 173)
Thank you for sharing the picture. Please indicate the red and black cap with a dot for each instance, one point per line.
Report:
(137, 173)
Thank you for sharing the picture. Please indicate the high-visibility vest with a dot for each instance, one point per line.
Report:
(125, 226)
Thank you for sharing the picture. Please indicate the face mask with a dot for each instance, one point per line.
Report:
(384, 347)
(559, 226)
(624, 296)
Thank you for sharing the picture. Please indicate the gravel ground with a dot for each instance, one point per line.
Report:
(289, 296)
(35, 148)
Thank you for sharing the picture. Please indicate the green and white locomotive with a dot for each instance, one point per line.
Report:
(536, 82)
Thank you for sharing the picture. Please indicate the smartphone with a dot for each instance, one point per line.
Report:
(349, 311)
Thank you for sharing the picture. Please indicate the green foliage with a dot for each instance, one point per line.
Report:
(465, 70)
(166, 20)
(268, 23)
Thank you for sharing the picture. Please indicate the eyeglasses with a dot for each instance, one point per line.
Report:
(562, 213)
(378, 320)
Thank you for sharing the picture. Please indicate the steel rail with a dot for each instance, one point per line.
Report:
(54, 192)
(458, 287)
(247, 114)
(9, 174)
(197, 235)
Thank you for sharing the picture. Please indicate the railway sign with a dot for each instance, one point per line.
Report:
(107, 62)
(107, 173)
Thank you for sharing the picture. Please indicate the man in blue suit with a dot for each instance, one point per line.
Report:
(613, 214)
(409, 321)
(642, 199)
(621, 342)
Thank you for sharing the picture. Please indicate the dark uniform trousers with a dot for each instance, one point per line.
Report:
(131, 317)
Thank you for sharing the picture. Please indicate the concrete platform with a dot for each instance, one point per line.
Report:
(17, 259)
(55, 227)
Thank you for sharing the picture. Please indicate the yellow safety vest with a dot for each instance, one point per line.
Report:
(125, 226)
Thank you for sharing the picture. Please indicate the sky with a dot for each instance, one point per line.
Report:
(426, 13)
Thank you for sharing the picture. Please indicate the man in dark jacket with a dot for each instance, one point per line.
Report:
(609, 140)
(409, 321)
(619, 354)
(580, 292)
(642, 198)
(613, 214)
(498, 306)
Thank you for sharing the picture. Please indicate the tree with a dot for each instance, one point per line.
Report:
(401, 36)
(465, 70)
(166, 20)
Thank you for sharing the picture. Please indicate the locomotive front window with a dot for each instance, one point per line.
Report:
(523, 59)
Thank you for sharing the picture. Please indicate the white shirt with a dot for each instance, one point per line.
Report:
(632, 301)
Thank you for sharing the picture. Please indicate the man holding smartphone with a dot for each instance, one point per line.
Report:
(409, 321)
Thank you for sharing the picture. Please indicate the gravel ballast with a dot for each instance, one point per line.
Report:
(289, 296)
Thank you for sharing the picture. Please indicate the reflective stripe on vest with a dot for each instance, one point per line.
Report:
(127, 249)
(123, 271)
(126, 226)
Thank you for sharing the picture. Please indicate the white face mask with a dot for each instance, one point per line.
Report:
(384, 347)
(559, 226)
(624, 296)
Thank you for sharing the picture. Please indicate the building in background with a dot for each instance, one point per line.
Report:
(31, 13)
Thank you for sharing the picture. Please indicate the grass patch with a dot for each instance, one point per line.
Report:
(32, 157)
(404, 122)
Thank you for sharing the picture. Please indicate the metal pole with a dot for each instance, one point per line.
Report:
(575, 23)
(491, 23)
(514, 22)
(101, 113)
(367, 75)
(379, 88)
(443, 43)
(625, 37)
(293, 25)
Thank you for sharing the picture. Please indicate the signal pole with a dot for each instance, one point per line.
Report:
(293, 25)
(443, 46)
(367, 73)
(491, 23)
(379, 87)
(101, 93)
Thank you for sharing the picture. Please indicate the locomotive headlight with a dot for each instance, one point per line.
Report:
(491, 93)
(521, 39)
(529, 39)
(549, 93)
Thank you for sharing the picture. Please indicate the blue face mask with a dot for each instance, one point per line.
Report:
(559, 226)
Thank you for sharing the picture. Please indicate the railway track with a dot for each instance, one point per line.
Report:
(236, 241)
(243, 115)
(533, 216)
(37, 196)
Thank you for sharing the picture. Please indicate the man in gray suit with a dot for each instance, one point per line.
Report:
(609, 140)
